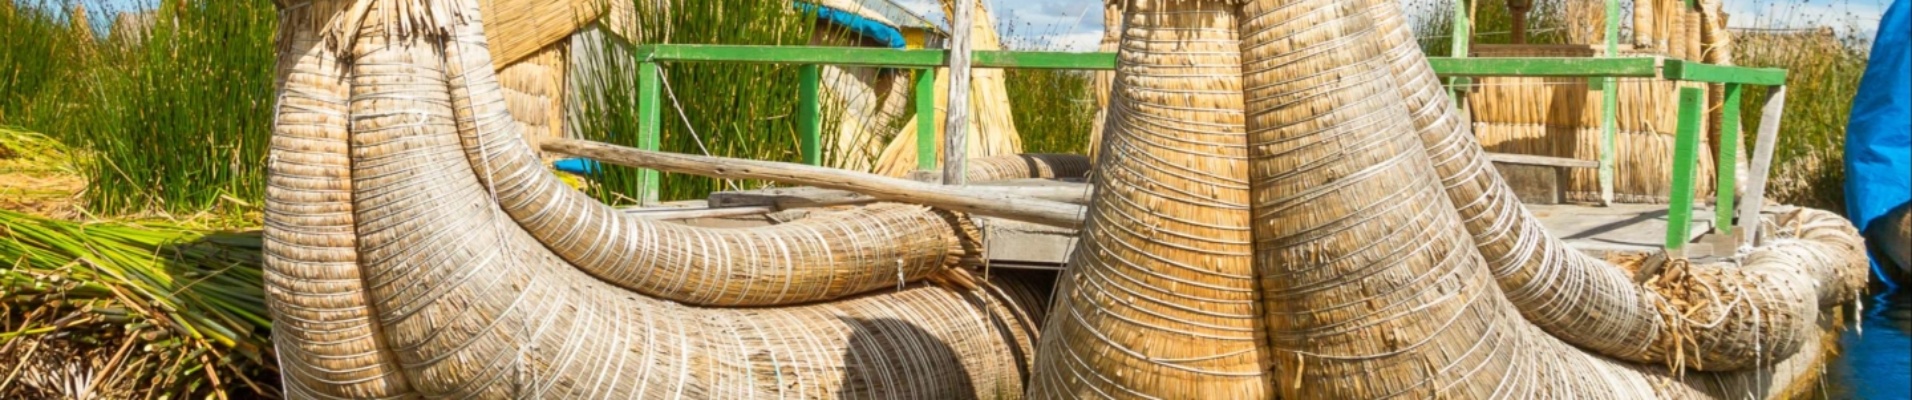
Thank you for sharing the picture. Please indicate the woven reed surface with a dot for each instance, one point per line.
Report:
(1366, 190)
(469, 304)
(992, 129)
(1158, 298)
(520, 29)
(534, 90)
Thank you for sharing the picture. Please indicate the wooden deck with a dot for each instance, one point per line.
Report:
(1013, 244)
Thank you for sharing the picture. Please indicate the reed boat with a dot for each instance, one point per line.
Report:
(1284, 202)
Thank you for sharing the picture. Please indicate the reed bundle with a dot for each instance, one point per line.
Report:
(1560, 117)
(1364, 188)
(425, 252)
(81, 296)
(1159, 298)
(992, 128)
(522, 29)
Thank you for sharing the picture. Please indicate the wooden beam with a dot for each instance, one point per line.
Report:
(956, 123)
(1767, 138)
(1679, 214)
(962, 199)
(1544, 161)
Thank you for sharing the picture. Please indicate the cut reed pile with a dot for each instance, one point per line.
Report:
(992, 127)
(131, 310)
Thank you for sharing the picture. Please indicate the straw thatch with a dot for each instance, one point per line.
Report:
(415, 247)
(1365, 188)
(519, 29)
(1560, 117)
(992, 130)
(534, 89)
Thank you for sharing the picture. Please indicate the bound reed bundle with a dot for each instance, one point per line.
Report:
(1159, 298)
(1105, 80)
(1364, 186)
(453, 289)
(992, 130)
(1028, 166)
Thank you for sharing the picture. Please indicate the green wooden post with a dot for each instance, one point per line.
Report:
(926, 119)
(650, 124)
(1685, 156)
(1463, 32)
(1609, 107)
(809, 115)
(1728, 158)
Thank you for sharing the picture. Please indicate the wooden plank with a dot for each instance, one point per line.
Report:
(809, 115)
(961, 199)
(809, 197)
(1544, 161)
(1765, 140)
(956, 121)
(1692, 71)
(1044, 60)
(1545, 66)
(1622, 228)
(1727, 164)
(650, 125)
(864, 56)
(1685, 160)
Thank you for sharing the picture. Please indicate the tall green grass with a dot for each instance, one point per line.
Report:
(1053, 109)
(176, 124)
(734, 109)
(36, 58)
(1823, 72)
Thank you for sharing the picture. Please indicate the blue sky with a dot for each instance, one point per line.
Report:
(1076, 25)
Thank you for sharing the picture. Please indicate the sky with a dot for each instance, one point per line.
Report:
(1076, 25)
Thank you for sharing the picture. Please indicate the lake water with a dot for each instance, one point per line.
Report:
(1875, 364)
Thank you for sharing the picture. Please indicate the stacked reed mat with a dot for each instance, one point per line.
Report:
(1560, 117)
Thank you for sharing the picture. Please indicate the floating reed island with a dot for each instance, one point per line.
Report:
(1285, 204)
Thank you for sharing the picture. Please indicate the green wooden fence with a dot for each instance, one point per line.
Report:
(1692, 100)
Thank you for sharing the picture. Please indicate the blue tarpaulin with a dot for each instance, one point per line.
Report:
(888, 35)
(1879, 137)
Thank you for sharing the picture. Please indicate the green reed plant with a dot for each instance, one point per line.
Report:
(182, 123)
(36, 56)
(1823, 72)
(1053, 109)
(734, 109)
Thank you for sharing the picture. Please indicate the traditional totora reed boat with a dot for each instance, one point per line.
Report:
(1285, 204)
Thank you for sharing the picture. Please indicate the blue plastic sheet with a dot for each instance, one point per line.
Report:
(885, 34)
(1879, 137)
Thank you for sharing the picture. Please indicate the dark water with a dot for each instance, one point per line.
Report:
(1875, 364)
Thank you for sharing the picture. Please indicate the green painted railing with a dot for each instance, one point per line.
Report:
(1692, 104)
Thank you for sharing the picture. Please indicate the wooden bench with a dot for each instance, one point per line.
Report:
(1545, 178)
